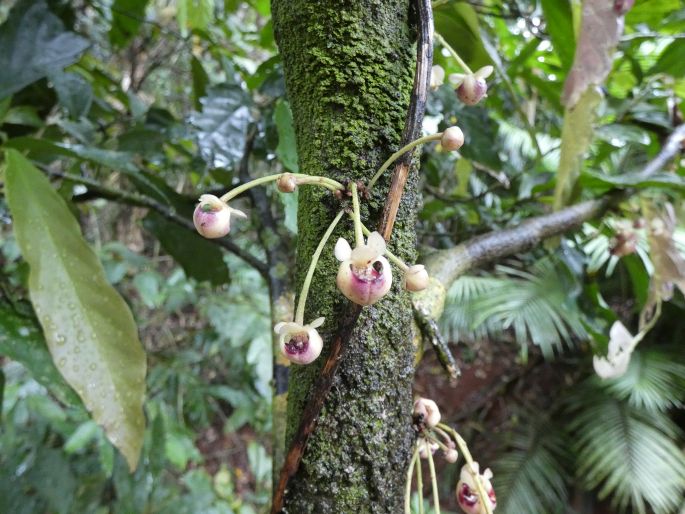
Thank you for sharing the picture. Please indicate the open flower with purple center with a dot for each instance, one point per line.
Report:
(212, 217)
(364, 275)
(300, 344)
(467, 490)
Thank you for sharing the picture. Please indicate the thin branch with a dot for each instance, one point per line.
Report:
(340, 342)
(431, 332)
(448, 265)
(139, 200)
(414, 121)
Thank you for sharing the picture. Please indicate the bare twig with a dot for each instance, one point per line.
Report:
(431, 332)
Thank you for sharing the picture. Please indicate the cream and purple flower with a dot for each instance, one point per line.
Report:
(364, 275)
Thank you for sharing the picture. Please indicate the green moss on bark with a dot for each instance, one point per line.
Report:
(349, 67)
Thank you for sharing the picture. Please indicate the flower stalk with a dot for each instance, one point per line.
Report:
(302, 300)
(452, 52)
(358, 233)
(434, 483)
(410, 472)
(399, 153)
(301, 178)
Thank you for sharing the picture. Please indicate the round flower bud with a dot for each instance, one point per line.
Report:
(416, 278)
(426, 412)
(451, 455)
(452, 139)
(287, 183)
(212, 217)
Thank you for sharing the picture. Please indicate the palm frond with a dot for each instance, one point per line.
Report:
(530, 477)
(538, 306)
(625, 452)
(655, 381)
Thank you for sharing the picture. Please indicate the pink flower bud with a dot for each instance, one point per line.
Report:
(426, 412)
(452, 139)
(472, 87)
(300, 344)
(451, 455)
(425, 447)
(287, 183)
(364, 275)
(212, 217)
(467, 491)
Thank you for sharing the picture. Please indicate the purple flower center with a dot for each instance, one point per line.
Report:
(467, 496)
(298, 344)
(370, 273)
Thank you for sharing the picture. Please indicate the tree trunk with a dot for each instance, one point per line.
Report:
(348, 69)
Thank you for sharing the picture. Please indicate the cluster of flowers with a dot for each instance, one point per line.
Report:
(364, 276)
(474, 491)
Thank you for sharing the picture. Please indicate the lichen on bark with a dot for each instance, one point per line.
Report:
(348, 68)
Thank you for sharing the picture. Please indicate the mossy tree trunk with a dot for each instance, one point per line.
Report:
(348, 68)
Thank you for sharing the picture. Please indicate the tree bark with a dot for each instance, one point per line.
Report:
(348, 68)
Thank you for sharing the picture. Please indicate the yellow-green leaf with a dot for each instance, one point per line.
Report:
(88, 327)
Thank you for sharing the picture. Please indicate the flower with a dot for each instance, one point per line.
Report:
(452, 139)
(300, 344)
(364, 275)
(416, 278)
(212, 217)
(426, 412)
(437, 76)
(471, 88)
(467, 490)
(425, 446)
(621, 345)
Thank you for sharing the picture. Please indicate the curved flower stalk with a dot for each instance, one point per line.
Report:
(212, 217)
(300, 343)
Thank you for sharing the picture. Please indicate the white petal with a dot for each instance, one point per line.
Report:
(484, 72)
(237, 212)
(317, 322)
(619, 339)
(376, 242)
(456, 79)
(279, 326)
(343, 251)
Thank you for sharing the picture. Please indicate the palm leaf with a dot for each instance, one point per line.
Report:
(530, 476)
(537, 306)
(625, 452)
(655, 381)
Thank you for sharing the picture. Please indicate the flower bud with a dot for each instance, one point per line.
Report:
(300, 344)
(416, 278)
(364, 276)
(426, 412)
(473, 86)
(451, 455)
(212, 217)
(452, 139)
(287, 183)
(467, 491)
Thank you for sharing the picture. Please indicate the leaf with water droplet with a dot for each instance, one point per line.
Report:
(65, 272)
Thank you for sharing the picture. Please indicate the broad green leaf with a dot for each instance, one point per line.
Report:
(127, 16)
(22, 341)
(89, 329)
(576, 135)
(222, 125)
(559, 22)
(34, 43)
(74, 93)
(672, 60)
(287, 147)
(458, 23)
(602, 183)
